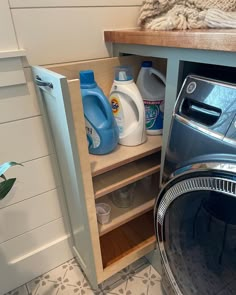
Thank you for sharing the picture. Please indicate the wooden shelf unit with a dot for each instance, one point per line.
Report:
(87, 179)
(117, 178)
(143, 201)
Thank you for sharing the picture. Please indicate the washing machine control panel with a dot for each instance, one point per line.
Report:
(208, 105)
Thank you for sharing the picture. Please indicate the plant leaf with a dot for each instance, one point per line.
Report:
(3, 176)
(4, 167)
(5, 187)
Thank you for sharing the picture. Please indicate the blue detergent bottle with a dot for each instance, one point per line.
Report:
(101, 128)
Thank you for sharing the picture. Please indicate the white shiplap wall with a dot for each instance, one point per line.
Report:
(34, 233)
(69, 34)
(33, 237)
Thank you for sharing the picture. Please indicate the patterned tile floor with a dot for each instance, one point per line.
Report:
(140, 278)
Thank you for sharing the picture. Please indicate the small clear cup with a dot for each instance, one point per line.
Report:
(103, 212)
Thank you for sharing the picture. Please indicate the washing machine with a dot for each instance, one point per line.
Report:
(195, 212)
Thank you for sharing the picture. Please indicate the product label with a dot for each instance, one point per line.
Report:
(117, 112)
(94, 140)
(154, 111)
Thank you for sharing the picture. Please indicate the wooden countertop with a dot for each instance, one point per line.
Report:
(222, 40)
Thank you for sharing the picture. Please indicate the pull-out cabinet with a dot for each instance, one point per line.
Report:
(102, 250)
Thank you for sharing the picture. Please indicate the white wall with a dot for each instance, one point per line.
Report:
(33, 228)
(68, 33)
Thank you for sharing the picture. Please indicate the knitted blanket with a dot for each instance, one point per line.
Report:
(187, 14)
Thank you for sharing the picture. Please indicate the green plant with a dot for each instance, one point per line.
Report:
(6, 184)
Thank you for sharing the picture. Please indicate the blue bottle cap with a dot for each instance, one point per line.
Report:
(87, 79)
(146, 64)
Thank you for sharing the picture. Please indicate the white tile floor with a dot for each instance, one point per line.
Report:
(140, 278)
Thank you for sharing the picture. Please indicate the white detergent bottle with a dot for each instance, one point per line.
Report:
(128, 108)
(151, 84)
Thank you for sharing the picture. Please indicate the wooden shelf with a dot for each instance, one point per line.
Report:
(127, 239)
(143, 202)
(208, 39)
(123, 155)
(110, 181)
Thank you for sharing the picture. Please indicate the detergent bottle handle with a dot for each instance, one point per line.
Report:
(106, 107)
(138, 105)
(158, 74)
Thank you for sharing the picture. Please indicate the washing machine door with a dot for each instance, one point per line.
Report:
(195, 220)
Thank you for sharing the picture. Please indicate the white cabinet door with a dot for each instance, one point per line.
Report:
(55, 105)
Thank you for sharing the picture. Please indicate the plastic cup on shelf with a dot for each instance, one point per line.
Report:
(124, 197)
(103, 212)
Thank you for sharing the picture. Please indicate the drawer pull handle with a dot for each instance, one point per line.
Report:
(40, 82)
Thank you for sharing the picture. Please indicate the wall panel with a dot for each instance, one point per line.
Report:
(36, 177)
(37, 252)
(23, 140)
(7, 34)
(11, 72)
(71, 3)
(33, 241)
(25, 216)
(18, 102)
(69, 34)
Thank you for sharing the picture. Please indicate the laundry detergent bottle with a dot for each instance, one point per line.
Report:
(151, 84)
(128, 108)
(101, 128)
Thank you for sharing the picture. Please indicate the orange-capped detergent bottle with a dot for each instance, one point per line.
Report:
(128, 108)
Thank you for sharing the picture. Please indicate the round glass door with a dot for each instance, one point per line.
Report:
(196, 224)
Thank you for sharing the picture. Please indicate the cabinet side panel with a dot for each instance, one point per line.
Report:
(56, 109)
(86, 176)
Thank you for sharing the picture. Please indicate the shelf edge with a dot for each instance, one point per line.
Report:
(126, 161)
(102, 192)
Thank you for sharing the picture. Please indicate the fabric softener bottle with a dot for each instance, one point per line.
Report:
(101, 128)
